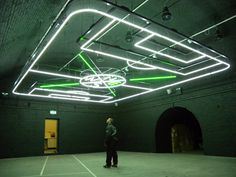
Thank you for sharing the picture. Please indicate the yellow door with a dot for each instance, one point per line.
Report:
(50, 136)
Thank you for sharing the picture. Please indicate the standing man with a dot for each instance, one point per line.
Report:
(110, 144)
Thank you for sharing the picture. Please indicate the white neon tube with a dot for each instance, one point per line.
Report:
(130, 24)
(138, 62)
(137, 44)
(62, 91)
(169, 85)
(152, 33)
(54, 74)
(138, 68)
(200, 32)
(99, 12)
(150, 66)
(98, 79)
(122, 19)
(137, 87)
(68, 96)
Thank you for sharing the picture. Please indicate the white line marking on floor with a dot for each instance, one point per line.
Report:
(44, 165)
(60, 174)
(84, 166)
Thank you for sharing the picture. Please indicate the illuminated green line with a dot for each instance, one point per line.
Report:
(90, 67)
(59, 85)
(167, 63)
(113, 83)
(82, 38)
(93, 71)
(152, 78)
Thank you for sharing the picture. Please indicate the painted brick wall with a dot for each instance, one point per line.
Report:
(214, 108)
(81, 127)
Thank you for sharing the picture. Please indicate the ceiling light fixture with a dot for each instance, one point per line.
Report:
(152, 34)
(166, 15)
(210, 54)
(152, 78)
(53, 74)
(102, 81)
(137, 87)
(59, 85)
(80, 55)
(51, 91)
(219, 34)
(68, 96)
(139, 67)
(129, 37)
(62, 91)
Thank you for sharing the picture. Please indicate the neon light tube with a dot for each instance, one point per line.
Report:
(68, 96)
(62, 91)
(67, 19)
(152, 78)
(59, 85)
(167, 86)
(137, 87)
(98, 35)
(80, 55)
(53, 74)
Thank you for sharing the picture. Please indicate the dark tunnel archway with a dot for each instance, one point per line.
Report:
(173, 117)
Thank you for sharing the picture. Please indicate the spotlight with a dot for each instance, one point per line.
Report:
(169, 91)
(166, 15)
(219, 35)
(178, 90)
(129, 37)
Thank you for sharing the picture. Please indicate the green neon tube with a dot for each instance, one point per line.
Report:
(167, 63)
(84, 60)
(113, 83)
(59, 85)
(82, 38)
(93, 70)
(152, 78)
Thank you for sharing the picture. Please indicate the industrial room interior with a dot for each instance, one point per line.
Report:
(164, 70)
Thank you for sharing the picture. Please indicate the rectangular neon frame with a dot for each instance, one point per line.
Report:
(88, 43)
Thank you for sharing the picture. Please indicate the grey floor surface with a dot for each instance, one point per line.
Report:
(131, 164)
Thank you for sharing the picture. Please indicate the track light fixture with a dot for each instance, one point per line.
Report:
(129, 37)
(166, 15)
(219, 34)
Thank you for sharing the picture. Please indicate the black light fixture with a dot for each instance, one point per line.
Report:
(166, 15)
(219, 34)
(129, 37)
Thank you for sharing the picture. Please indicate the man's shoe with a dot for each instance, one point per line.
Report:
(107, 166)
(115, 165)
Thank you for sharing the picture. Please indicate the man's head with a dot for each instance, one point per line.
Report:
(109, 120)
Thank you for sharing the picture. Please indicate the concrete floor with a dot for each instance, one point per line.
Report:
(131, 164)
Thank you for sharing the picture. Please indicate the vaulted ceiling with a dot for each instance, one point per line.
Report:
(23, 23)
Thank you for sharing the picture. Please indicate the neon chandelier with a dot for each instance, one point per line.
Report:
(83, 56)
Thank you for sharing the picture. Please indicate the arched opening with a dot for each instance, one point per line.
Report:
(178, 130)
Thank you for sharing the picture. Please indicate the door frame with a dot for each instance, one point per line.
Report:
(58, 135)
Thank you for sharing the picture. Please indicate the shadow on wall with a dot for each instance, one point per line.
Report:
(178, 130)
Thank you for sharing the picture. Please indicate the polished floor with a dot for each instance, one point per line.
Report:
(131, 164)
